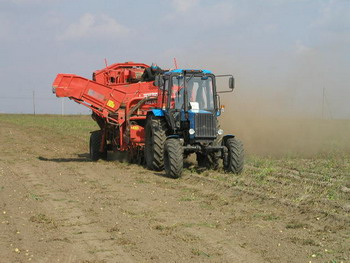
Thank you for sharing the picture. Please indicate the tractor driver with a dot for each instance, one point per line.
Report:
(178, 93)
(150, 73)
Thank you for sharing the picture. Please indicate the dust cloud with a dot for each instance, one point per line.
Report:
(288, 105)
(266, 128)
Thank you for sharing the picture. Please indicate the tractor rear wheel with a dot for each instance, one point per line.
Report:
(235, 156)
(154, 144)
(95, 145)
(173, 158)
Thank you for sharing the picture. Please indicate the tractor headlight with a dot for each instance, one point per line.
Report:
(220, 131)
(191, 131)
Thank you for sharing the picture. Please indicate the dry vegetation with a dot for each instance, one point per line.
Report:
(291, 204)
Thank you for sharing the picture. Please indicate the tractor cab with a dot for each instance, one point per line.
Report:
(199, 91)
(190, 104)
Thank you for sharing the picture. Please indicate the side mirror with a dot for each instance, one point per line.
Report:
(158, 81)
(231, 83)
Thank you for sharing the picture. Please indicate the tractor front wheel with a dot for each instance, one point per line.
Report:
(173, 158)
(234, 160)
(95, 145)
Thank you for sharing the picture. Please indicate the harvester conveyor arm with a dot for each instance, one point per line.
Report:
(99, 98)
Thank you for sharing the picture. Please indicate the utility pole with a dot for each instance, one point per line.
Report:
(34, 102)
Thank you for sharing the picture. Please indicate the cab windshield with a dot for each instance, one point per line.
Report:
(199, 93)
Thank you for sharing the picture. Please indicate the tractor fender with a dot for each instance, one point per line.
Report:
(227, 136)
(173, 136)
(156, 112)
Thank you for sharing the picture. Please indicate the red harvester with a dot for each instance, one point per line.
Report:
(119, 102)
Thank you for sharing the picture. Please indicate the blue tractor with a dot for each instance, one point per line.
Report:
(187, 122)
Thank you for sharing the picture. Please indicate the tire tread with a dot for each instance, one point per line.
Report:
(235, 162)
(155, 156)
(173, 158)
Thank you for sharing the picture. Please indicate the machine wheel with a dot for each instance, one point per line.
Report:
(209, 161)
(173, 158)
(95, 144)
(154, 144)
(235, 156)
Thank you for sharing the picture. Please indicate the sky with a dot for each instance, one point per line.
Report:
(289, 57)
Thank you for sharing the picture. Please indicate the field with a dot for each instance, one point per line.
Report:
(58, 206)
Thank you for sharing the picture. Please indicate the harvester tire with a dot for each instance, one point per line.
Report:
(173, 158)
(235, 156)
(95, 144)
(154, 144)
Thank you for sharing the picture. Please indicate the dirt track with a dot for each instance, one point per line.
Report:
(57, 206)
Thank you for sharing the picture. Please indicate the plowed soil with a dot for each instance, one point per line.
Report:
(58, 206)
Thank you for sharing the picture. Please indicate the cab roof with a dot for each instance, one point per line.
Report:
(190, 71)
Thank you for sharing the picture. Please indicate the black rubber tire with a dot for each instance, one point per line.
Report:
(235, 159)
(173, 158)
(209, 161)
(154, 144)
(95, 144)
